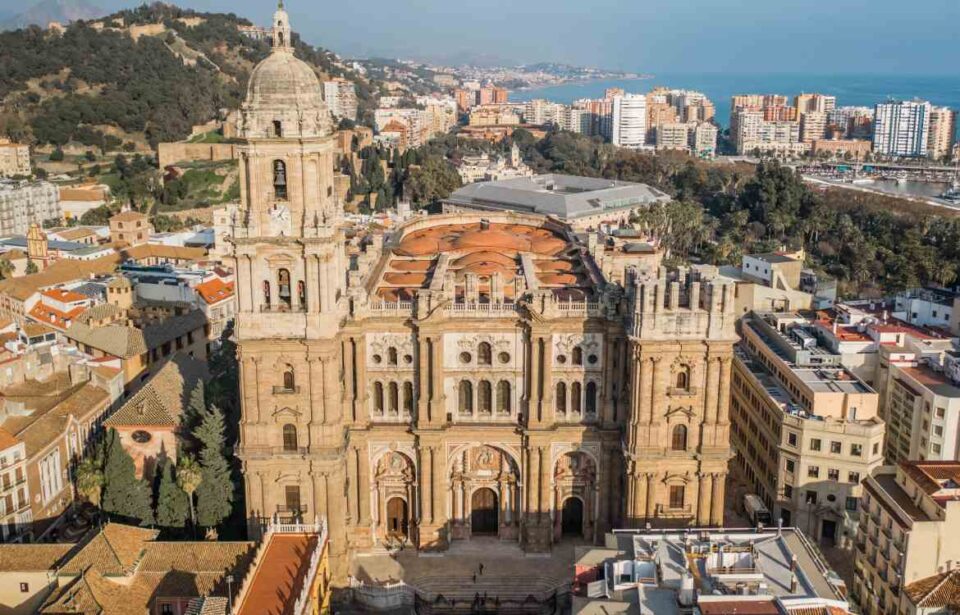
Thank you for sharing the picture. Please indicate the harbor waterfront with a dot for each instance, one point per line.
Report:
(865, 90)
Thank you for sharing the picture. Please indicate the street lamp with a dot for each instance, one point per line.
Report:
(229, 593)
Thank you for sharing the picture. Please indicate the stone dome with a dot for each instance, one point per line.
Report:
(284, 95)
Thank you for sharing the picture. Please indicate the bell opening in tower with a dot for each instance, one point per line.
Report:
(280, 179)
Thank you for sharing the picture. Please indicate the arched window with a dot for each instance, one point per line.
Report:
(283, 286)
(378, 398)
(465, 393)
(392, 355)
(560, 403)
(503, 397)
(394, 399)
(289, 437)
(683, 378)
(408, 398)
(577, 355)
(679, 439)
(288, 378)
(266, 292)
(485, 393)
(277, 128)
(575, 400)
(591, 398)
(280, 179)
(484, 354)
(301, 294)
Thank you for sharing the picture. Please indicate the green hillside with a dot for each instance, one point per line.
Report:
(106, 82)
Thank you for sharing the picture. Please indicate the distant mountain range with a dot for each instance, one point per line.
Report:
(42, 13)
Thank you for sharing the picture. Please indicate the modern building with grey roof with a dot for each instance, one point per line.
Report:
(579, 201)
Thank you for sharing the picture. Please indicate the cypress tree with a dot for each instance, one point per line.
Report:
(215, 493)
(172, 505)
(195, 408)
(123, 494)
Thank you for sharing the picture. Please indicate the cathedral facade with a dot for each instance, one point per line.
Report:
(472, 374)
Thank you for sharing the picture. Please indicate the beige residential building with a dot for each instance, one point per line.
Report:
(341, 97)
(804, 428)
(14, 159)
(908, 534)
(465, 377)
(813, 126)
(130, 227)
(922, 405)
(943, 127)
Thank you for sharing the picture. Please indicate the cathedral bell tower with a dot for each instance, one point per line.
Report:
(287, 245)
(287, 233)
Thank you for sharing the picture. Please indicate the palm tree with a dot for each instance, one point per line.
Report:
(90, 480)
(189, 478)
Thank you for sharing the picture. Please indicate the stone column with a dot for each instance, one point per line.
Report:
(423, 382)
(332, 392)
(641, 393)
(437, 406)
(640, 499)
(548, 416)
(723, 401)
(313, 284)
(651, 496)
(353, 484)
(711, 391)
(426, 484)
(716, 509)
(658, 389)
(363, 485)
(316, 384)
(703, 500)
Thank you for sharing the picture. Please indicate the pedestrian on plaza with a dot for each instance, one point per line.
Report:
(474, 577)
(481, 568)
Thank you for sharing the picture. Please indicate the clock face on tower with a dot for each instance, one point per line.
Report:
(280, 218)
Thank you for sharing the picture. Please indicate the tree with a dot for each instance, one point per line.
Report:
(189, 478)
(124, 495)
(56, 155)
(6, 269)
(98, 216)
(196, 408)
(89, 477)
(172, 505)
(435, 180)
(31, 267)
(215, 493)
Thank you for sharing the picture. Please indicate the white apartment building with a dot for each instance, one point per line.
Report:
(341, 98)
(15, 513)
(704, 140)
(901, 128)
(630, 121)
(23, 203)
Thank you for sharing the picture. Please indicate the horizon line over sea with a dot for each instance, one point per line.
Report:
(850, 90)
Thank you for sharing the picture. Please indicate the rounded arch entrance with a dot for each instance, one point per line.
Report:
(575, 495)
(394, 487)
(484, 493)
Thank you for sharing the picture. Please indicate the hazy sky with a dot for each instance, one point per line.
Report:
(736, 36)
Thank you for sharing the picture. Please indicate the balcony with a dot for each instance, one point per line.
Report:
(888, 532)
(282, 390)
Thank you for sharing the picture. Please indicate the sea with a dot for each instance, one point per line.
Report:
(850, 90)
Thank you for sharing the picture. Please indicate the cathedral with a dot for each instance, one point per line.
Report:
(467, 374)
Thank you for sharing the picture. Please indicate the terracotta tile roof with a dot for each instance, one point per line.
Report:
(51, 404)
(73, 234)
(128, 216)
(104, 311)
(162, 400)
(52, 317)
(158, 569)
(740, 607)
(126, 341)
(933, 476)
(279, 575)
(214, 291)
(32, 557)
(939, 591)
(115, 550)
(7, 440)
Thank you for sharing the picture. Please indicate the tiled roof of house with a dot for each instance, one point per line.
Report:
(152, 570)
(214, 291)
(50, 404)
(104, 311)
(115, 550)
(163, 398)
(938, 591)
(128, 216)
(7, 440)
(32, 557)
(127, 341)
